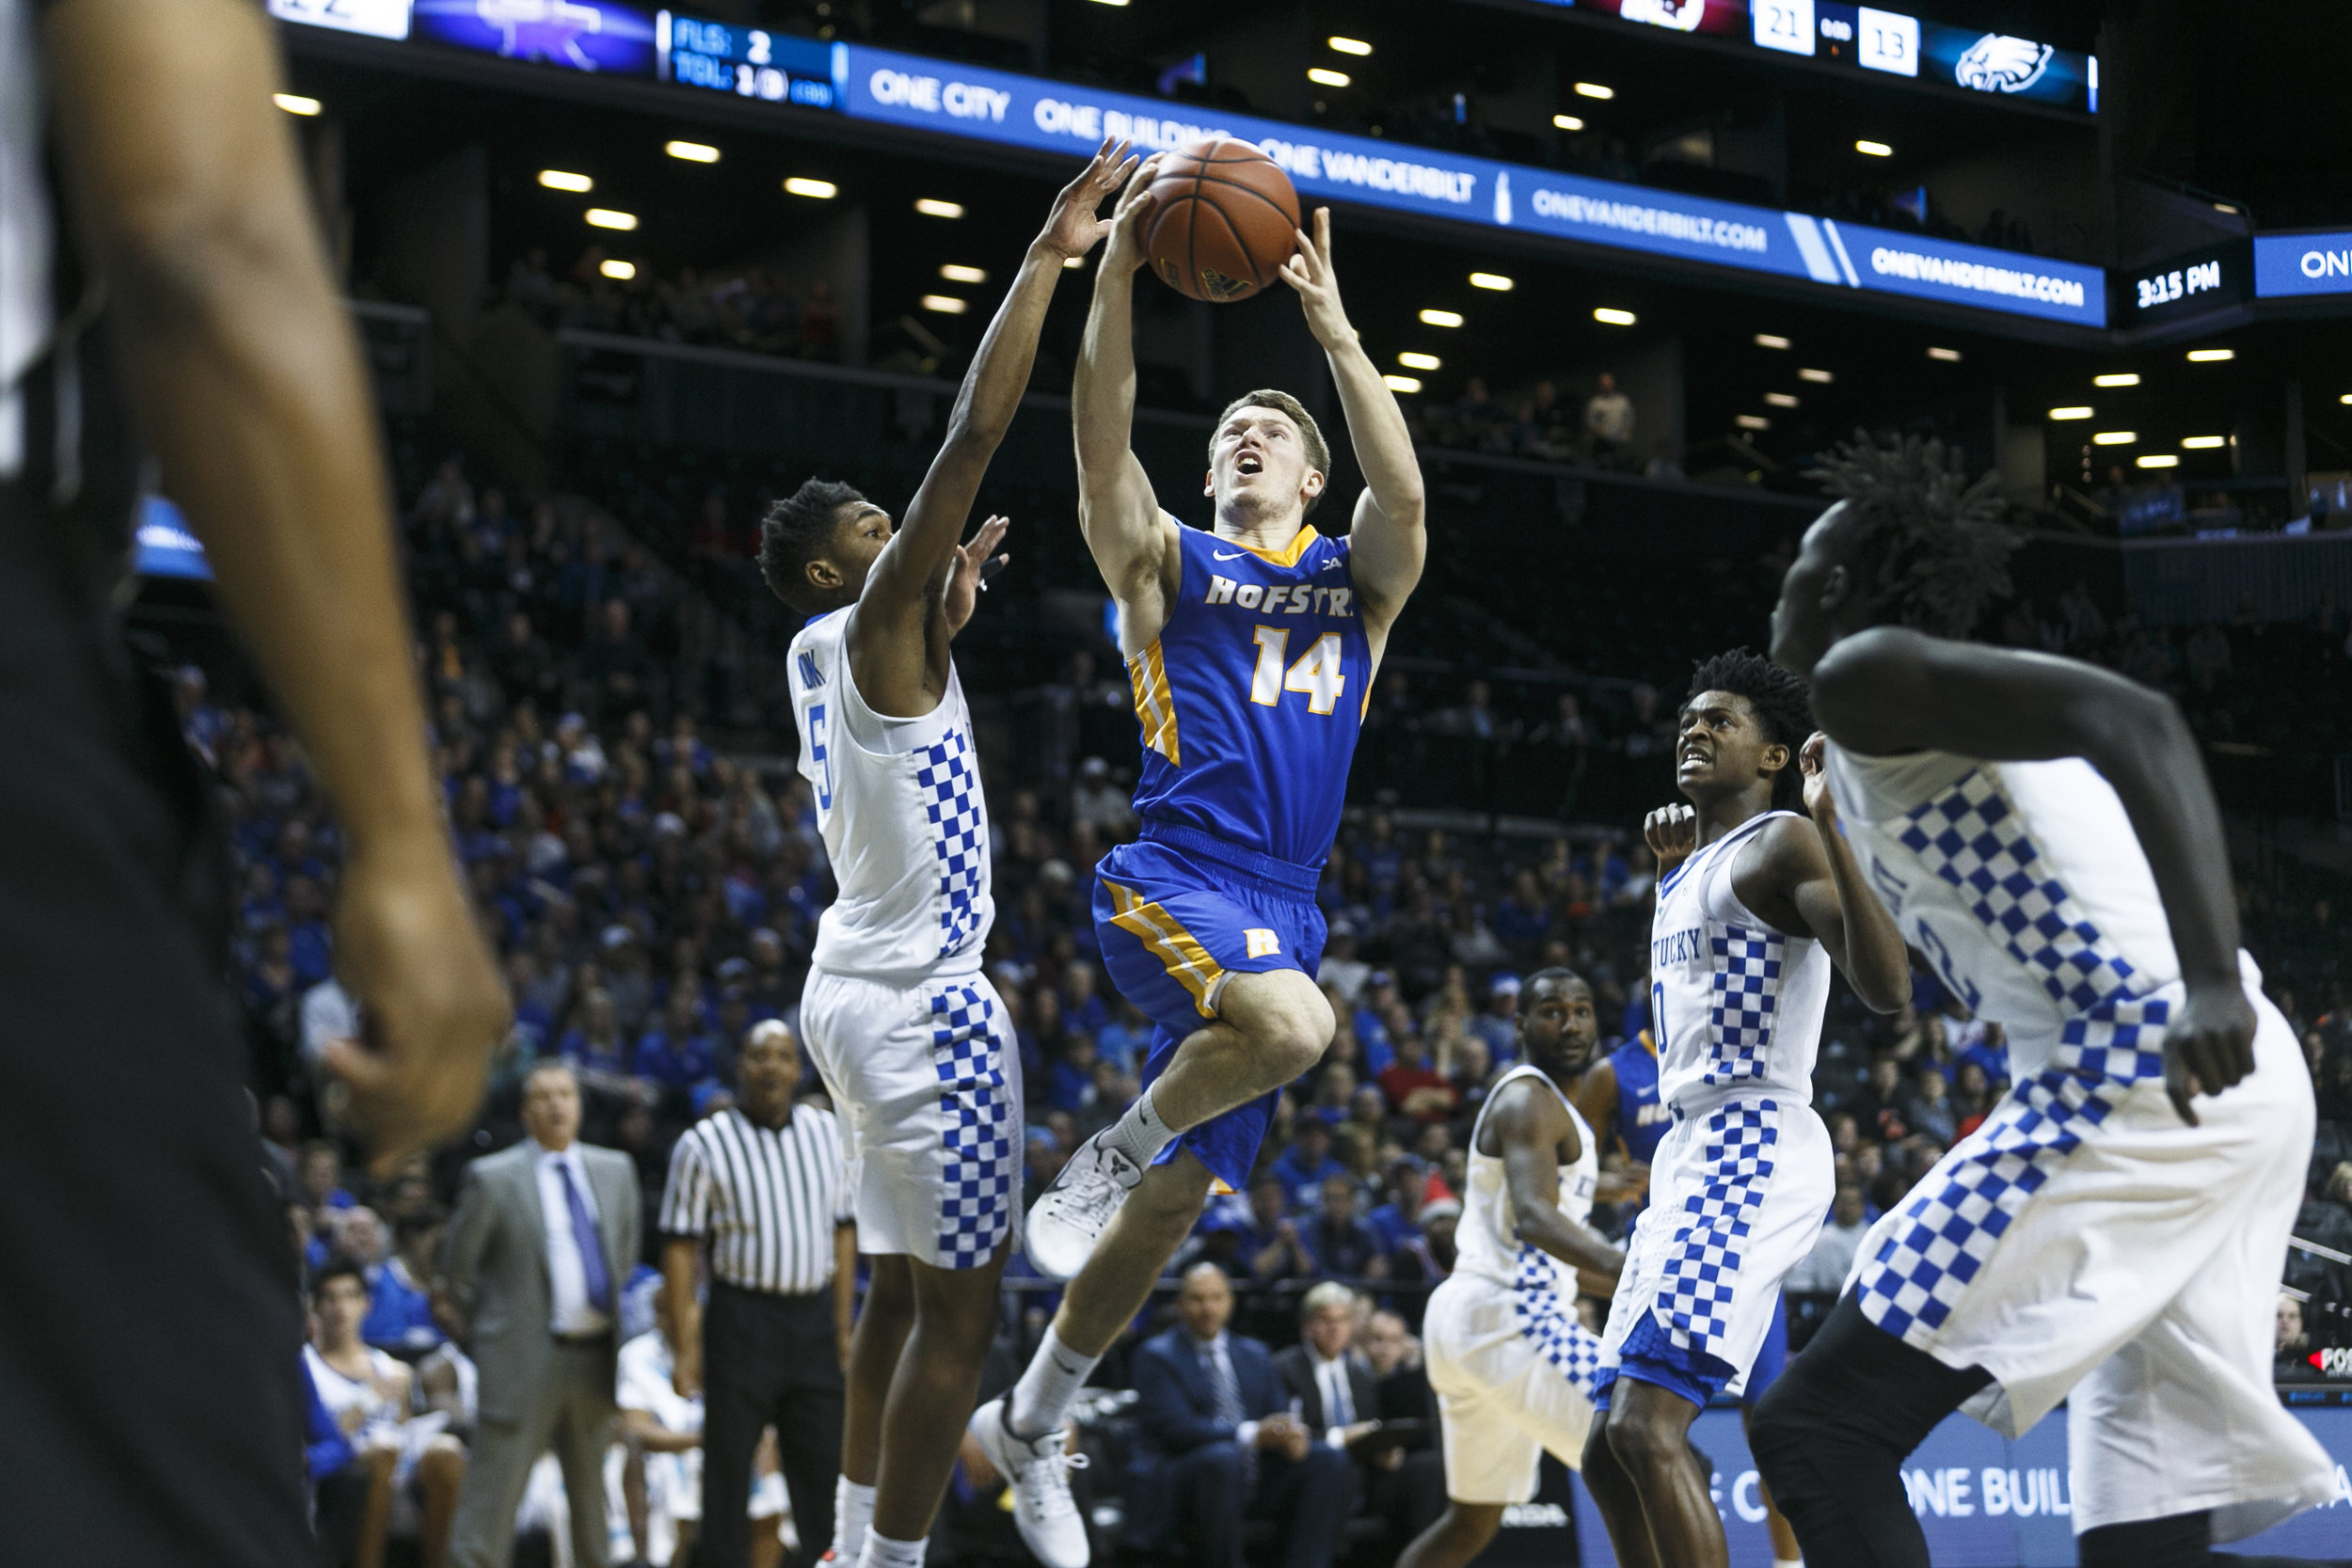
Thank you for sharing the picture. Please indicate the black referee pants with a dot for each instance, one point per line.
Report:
(769, 1359)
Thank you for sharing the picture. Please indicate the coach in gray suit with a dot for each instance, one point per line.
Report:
(544, 1237)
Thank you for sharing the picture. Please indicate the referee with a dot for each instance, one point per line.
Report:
(761, 1185)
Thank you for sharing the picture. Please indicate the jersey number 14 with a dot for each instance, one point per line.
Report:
(1320, 672)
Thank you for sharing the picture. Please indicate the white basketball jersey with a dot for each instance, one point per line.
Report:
(1486, 1244)
(899, 803)
(2022, 883)
(1736, 1005)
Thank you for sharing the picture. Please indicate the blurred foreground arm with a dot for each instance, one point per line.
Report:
(241, 362)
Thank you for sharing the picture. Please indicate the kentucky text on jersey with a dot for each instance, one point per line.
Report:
(1677, 947)
(1252, 697)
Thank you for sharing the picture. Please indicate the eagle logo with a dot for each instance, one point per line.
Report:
(1998, 63)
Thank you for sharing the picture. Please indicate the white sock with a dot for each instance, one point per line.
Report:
(1140, 1135)
(1787, 1562)
(1042, 1398)
(882, 1552)
(852, 1518)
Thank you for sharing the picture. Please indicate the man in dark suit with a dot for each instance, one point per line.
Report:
(544, 1237)
(1330, 1384)
(1220, 1446)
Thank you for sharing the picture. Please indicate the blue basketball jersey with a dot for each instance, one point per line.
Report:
(1640, 1119)
(1251, 699)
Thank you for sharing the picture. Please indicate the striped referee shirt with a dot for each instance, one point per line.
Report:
(767, 1201)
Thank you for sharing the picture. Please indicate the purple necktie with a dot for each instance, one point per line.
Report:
(592, 1270)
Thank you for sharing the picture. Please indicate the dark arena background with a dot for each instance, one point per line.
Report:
(627, 278)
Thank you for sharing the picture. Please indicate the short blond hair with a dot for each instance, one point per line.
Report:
(1309, 433)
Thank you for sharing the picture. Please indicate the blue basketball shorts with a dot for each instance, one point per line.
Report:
(1178, 911)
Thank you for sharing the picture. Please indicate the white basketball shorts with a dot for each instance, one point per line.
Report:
(925, 1085)
(1739, 1191)
(1512, 1372)
(2086, 1243)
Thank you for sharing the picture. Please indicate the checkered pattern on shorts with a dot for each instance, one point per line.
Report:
(1549, 1324)
(1973, 838)
(1702, 1272)
(1739, 1019)
(959, 828)
(976, 1192)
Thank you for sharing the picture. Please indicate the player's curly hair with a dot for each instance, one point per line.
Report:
(796, 530)
(1929, 548)
(1783, 703)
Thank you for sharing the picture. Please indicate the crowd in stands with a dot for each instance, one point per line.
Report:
(755, 309)
(653, 899)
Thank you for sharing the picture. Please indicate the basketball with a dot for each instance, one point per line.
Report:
(1227, 220)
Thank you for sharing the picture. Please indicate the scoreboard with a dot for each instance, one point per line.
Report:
(750, 62)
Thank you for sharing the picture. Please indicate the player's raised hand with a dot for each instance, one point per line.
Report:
(1126, 250)
(1813, 762)
(1672, 832)
(2209, 1046)
(966, 574)
(1072, 229)
(1308, 273)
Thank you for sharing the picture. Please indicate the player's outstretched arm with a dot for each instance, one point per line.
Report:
(1812, 872)
(1133, 545)
(888, 632)
(1890, 690)
(1389, 542)
(246, 374)
(1535, 1131)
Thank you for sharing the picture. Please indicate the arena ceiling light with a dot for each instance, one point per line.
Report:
(2121, 378)
(1111, 2)
(931, 207)
(563, 179)
(2076, 412)
(1401, 383)
(1453, 318)
(1567, 123)
(2204, 443)
(2157, 460)
(1413, 361)
(691, 151)
(1874, 150)
(956, 273)
(1611, 316)
(1072, 264)
(619, 271)
(2347, 398)
(605, 217)
(1324, 78)
(295, 103)
(816, 190)
(1751, 421)
(1594, 90)
(945, 305)
(2226, 207)
(1348, 46)
(1494, 280)
(2115, 438)
(2210, 355)
(1822, 377)
(1949, 356)
(1781, 400)
(1770, 339)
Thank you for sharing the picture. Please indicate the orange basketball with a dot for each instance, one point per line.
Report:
(1227, 220)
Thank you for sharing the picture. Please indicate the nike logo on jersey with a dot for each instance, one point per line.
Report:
(1220, 555)
(1297, 599)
